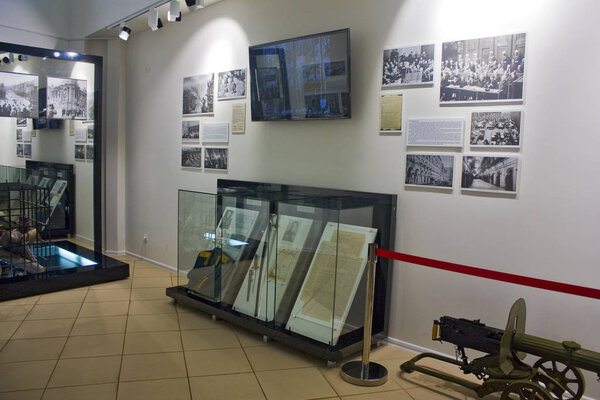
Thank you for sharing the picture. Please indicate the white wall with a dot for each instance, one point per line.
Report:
(549, 231)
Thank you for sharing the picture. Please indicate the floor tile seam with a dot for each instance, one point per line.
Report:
(24, 361)
(210, 349)
(21, 323)
(123, 347)
(251, 367)
(185, 364)
(13, 334)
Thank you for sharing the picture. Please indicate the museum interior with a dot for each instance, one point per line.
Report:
(338, 199)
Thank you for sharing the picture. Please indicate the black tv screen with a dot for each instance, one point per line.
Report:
(302, 78)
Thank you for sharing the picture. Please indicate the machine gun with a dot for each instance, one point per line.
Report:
(555, 376)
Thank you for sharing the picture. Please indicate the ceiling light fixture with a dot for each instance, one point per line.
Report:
(153, 21)
(174, 13)
(124, 32)
(194, 4)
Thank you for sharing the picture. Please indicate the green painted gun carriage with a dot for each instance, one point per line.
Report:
(555, 376)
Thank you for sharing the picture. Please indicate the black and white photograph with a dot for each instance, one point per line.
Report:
(431, 170)
(408, 66)
(27, 150)
(80, 151)
(18, 95)
(198, 94)
(89, 152)
(232, 84)
(19, 149)
(191, 157)
(483, 70)
(490, 174)
(216, 158)
(19, 135)
(90, 133)
(334, 68)
(190, 131)
(496, 129)
(66, 98)
(21, 122)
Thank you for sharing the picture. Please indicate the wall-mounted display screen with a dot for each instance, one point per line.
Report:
(302, 78)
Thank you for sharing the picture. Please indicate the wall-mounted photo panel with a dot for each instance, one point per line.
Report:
(408, 66)
(436, 132)
(80, 134)
(391, 113)
(429, 170)
(216, 158)
(496, 129)
(89, 152)
(21, 122)
(217, 132)
(490, 174)
(190, 131)
(27, 150)
(484, 70)
(232, 84)
(198, 94)
(18, 95)
(80, 151)
(90, 133)
(191, 157)
(19, 149)
(19, 135)
(238, 118)
(66, 98)
(26, 135)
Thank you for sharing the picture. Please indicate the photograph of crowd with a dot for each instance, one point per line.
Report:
(190, 131)
(432, 170)
(215, 158)
(66, 98)
(80, 151)
(27, 150)
(490, 174)
(483, 70)
(191, 157)
(198, 94)
(497, 129)
(408, 66)
(18, 95)
(89, 152)
(232, 84)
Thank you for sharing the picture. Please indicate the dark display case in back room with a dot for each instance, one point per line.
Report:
(285, 261)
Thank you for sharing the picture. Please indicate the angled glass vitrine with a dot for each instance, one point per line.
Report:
(288, 262)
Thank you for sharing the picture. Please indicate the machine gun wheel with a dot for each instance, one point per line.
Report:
(525, 391)
(570, 378)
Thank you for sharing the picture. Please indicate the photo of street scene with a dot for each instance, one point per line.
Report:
(490, 174)
(432, 170)
(18, 95)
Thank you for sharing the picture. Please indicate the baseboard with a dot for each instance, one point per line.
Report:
(85, 239)
(114, 252)
(151, 261)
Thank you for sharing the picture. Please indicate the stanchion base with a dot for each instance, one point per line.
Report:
(351, 372)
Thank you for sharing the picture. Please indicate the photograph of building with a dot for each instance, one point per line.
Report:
(429, 170)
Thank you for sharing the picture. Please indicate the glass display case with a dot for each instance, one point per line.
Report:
(288, 262)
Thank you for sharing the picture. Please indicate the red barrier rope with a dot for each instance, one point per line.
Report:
(494, 275)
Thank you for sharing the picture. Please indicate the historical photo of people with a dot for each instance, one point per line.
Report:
(190, 131)
(19, 135)
(18, 95)
(408, 66)
(19, 149)
(198, 94)
(90, 133)
(232, 84)
(66, 98)
(80, 151)
(490, 174)
(488, 69)
(496, 129)
(21, 121)
(89, 152)
(216, 158)
(27, 150)
(431, 170)
(191, 157)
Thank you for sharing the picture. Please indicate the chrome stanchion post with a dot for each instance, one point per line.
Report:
(364, 372)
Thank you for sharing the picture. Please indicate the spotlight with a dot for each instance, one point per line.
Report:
(11, 57)
(124, 32)
(6, 60)
(194, 4)
(22, 57)
(174, 13)
(56, 54)
(153, 21)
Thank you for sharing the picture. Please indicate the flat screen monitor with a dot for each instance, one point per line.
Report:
(302, 78)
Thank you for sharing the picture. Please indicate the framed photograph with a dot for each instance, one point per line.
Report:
(408, 66)
(26, 135)
(430, 170)
(198, 94)
(232, 84)
(190, 131)
(90, 133)
(490, 174)
(66, 98)
(496, 129)
(89, 152)
(19, 149)
(191, 157)
(19, 135)
(80, 134)
(19, 95)
(267, 82)
(80, 152)
(21, 122)
(216, 158)
(391, 113)
(27, 150)
(436, 132)
(484, 70)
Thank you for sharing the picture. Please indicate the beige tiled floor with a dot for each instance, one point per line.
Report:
(126, 340)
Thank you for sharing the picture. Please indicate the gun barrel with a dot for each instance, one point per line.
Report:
(551, 350)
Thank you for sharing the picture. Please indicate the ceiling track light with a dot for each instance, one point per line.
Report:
(124, 32)
(153, 21)
(194, 4)
(174, 13)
